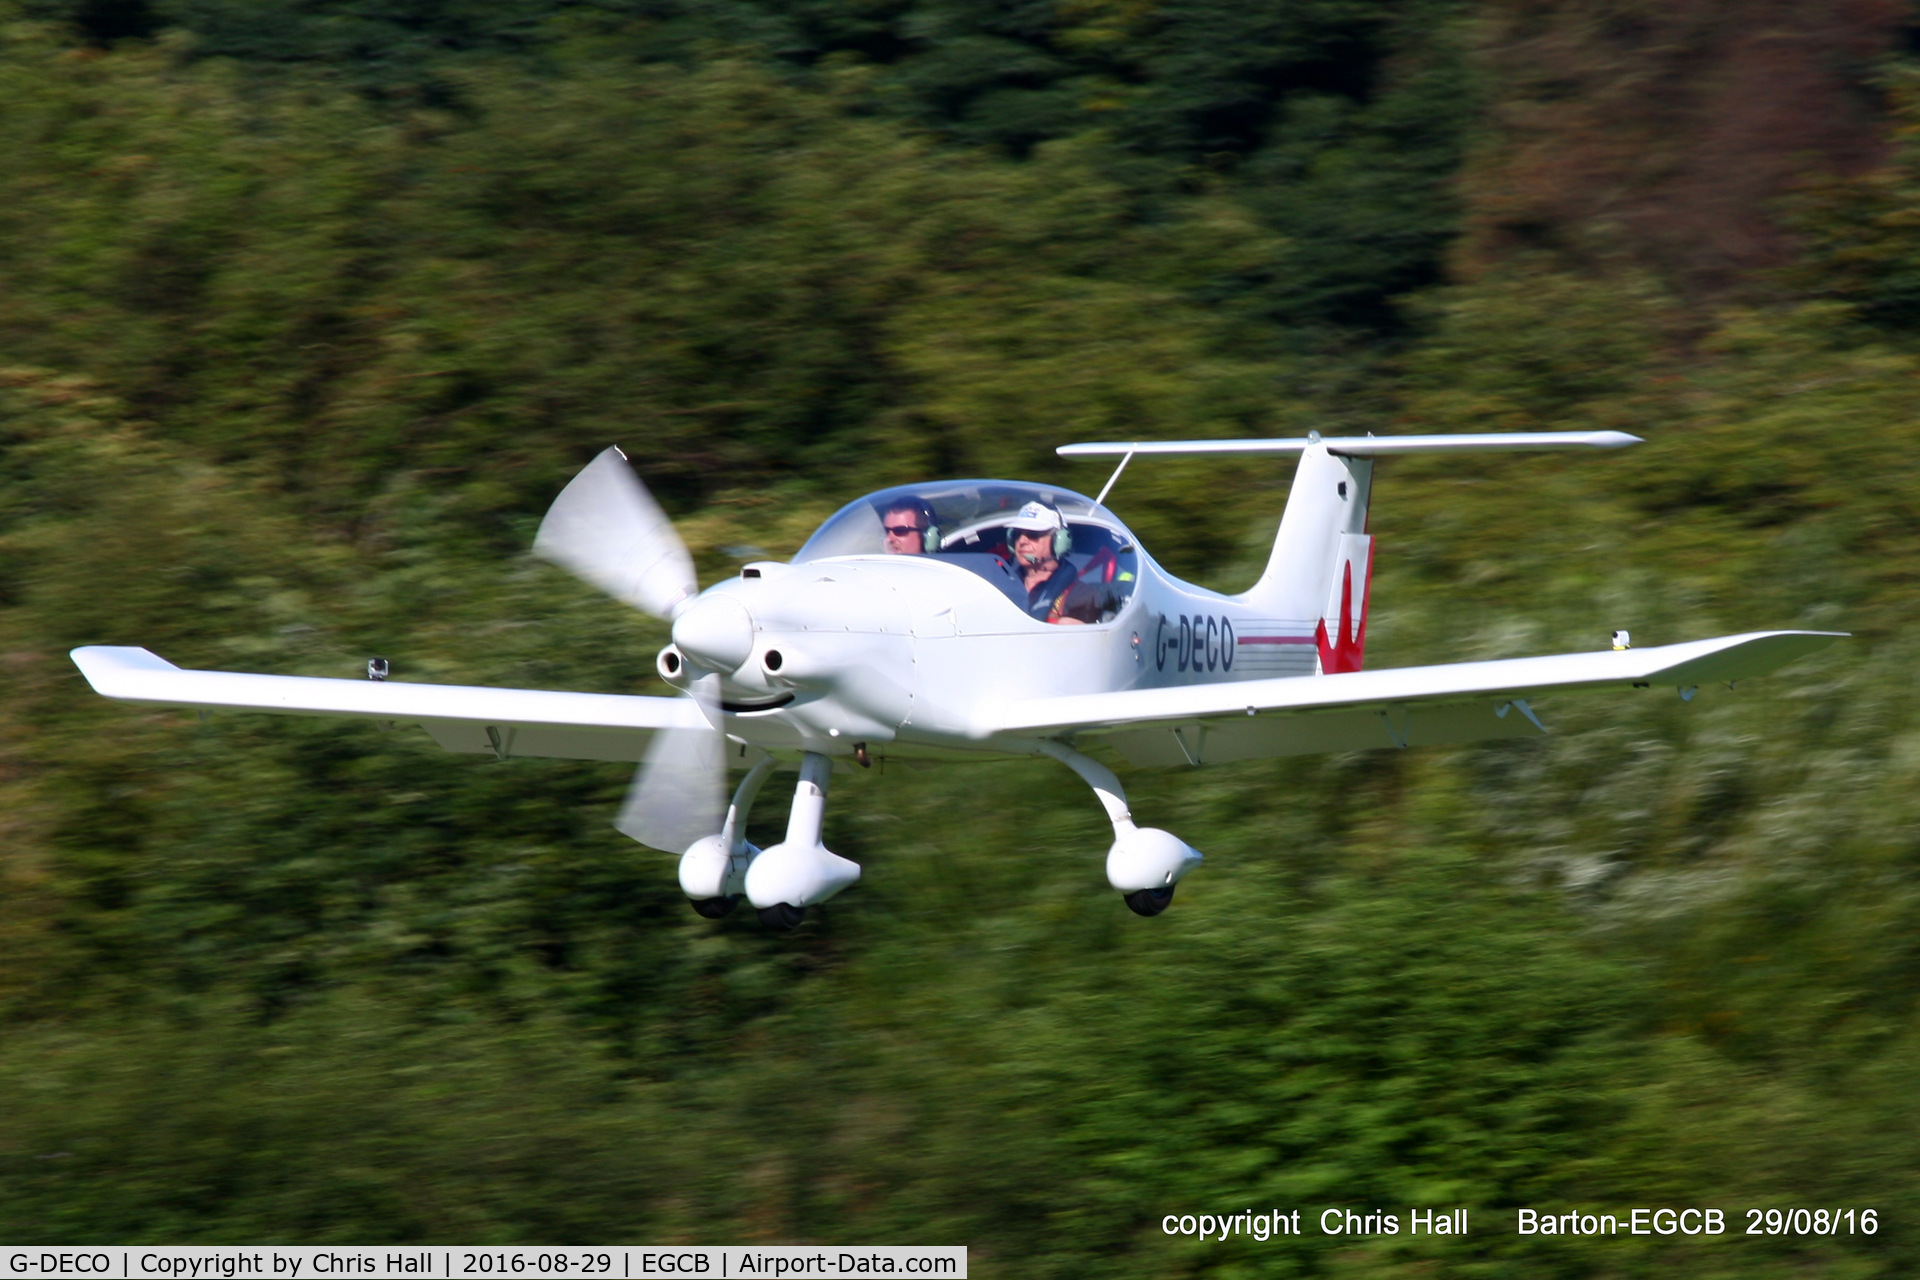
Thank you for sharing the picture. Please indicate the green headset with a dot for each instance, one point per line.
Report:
(1062, 538)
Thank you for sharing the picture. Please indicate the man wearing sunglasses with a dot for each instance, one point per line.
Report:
(1039, 540)
(906, 523)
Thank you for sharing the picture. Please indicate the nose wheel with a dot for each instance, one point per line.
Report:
(717, 871)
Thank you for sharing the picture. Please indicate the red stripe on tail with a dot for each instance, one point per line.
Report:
(1345, 651)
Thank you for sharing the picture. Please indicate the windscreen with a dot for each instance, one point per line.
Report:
(947, 514)
(1087, 573)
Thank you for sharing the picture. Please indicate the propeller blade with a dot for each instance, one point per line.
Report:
(679, 792)
(606, 529)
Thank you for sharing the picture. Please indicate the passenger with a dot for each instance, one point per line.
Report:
(1039, 539)
(907, 522)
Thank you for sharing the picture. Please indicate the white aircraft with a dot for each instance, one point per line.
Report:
(970, 618)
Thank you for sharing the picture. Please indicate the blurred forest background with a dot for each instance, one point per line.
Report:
(309, 307)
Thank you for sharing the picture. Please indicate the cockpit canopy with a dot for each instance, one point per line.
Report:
(970, 524)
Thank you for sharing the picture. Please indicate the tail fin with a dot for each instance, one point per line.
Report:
(1321, 568)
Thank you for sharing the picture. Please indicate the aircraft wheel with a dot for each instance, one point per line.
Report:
(782, 915)
(1149, 902)
(713, 908)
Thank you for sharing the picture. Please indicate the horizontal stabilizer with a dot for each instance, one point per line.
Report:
(506, 722)
(1365, 446)
(1403, 706)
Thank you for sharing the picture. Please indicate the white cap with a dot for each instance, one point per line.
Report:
(1037, 517)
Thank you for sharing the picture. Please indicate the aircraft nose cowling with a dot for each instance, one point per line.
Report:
(715, 632)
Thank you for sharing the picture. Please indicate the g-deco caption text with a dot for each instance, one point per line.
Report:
(594, 1262)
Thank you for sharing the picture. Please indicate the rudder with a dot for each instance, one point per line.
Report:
(1346, 607)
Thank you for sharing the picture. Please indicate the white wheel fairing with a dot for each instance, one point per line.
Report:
(1149, 858)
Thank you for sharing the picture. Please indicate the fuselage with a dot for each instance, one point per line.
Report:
(910, 654)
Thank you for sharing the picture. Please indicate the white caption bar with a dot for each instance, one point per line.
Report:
(594, 1262)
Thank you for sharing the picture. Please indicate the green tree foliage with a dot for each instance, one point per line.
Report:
(1861, 242)
(288, 277)
(292, 373)
(1340, 123)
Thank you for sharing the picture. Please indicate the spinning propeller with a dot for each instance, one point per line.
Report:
(606, 529)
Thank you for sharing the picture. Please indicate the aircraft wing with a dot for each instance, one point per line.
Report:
(506, 722)
(1398, 707)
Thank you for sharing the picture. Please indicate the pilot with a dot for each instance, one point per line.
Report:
(907, 522)
(1039, 539)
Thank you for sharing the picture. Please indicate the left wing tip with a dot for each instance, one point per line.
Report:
(121, 656)
(106, 666)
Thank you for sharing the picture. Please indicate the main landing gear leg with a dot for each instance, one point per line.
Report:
(1144, 863)
(713, 871)
(799, 871)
